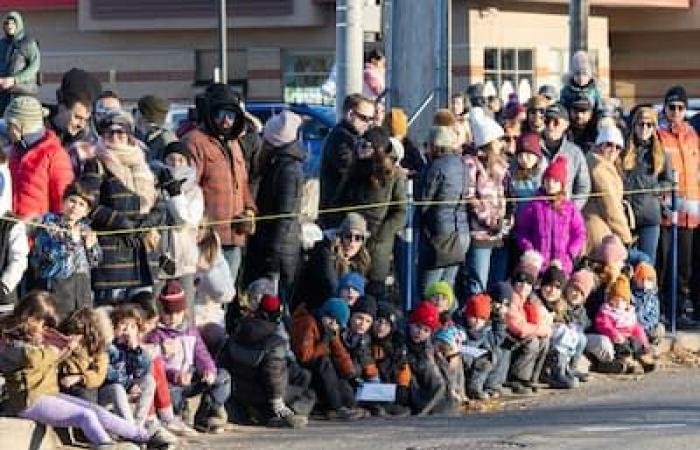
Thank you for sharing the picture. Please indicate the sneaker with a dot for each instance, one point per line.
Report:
(633, 367)
(211, 425)
(162, 439)
(647, 362)
(180, 428)
(344, 413)
(291, 421)
(395, 410)
(520, 388)
(478, 395)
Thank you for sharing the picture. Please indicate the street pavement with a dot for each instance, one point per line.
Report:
(659, 411)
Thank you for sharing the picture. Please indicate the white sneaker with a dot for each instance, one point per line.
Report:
(180, 428)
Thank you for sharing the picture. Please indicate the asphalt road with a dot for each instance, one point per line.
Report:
(656, 411)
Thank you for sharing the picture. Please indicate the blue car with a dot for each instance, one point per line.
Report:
(318, 121)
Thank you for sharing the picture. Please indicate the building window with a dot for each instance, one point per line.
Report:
(304, 74)
(508, 69)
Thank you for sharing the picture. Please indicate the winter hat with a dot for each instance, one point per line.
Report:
(557, 170)
(557, 111)
(644, 271)
(154, 109)
(553, 275)
(27, 112)
(270, 308)
(444, 118)
(549, 91)
(365, 305)
(580, 63)
(611, 250)
(353, 280)
(582, 101)
(442, 136)
(79, 83)
(485, 130)
(478, 307)
(396, 122)
(282, 129)
(584, 281)
(451, 335)
(336, 308)
(172, 298)
(676, 94)
(537, 102)
(475, 93)
(389, 312)
(440, 287)
(177, 147)
(426, 314)
(118, 118)
(501, 293)
(529, 143)
(529, 267)
(620, 288)
(354, 222)
(610, 134)
(257, 290)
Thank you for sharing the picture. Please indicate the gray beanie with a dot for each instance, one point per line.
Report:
(354, 222)
(27, 111)
(282, 128)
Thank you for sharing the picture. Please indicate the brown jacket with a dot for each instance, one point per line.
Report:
(92, 368)
(307, 343)
(222, 174)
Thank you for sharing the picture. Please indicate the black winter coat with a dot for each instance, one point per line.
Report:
(647, 206)
(256, 358)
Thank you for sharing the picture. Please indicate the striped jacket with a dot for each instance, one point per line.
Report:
(487, 207)
(125, 259)
(681, 145)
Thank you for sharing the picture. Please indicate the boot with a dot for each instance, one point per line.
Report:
(614, 366)
(632, 366)
(345, 414)
(573, 370)
(559, 378)
(647, 362)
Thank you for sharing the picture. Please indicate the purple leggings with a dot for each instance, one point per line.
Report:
(62, 410)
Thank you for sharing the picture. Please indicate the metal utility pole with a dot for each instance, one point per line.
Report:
(223, 48)
(443, 53)
(349, 43)
(579, 11)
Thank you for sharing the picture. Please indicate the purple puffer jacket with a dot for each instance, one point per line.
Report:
(191, 353)
(556, 235)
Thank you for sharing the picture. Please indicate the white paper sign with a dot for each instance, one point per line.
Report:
(474, 352)
(376, 392)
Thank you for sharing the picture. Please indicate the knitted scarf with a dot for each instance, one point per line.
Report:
(128, 164)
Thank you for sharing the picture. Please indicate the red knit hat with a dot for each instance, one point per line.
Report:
(478, 306)
(557, 170)
(172, 297)
(270, 307)
(529, 143)
(426, 314)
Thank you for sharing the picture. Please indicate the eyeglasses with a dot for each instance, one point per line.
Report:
(646, 125)
(353, 237)
(362, 117)
(540, 111)
(676, 106)
(226, 114)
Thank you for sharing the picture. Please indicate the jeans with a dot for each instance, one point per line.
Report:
(448, 274)
(649, 240)
(476, 270)
(213, 396)
(233, 256)
(116, 395)
(686, 250)
(500, 262)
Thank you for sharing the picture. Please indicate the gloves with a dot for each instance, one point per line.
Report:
(356, 382)
(328, 335)
(280, 409)
(173, 187)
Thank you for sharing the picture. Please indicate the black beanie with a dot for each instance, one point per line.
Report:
(501, 293)
(177, 147)
(365, 305)
(676, 94)
(388, 311)
(552, 275)
(154, 109)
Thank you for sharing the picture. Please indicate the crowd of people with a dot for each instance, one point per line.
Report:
(141, 267)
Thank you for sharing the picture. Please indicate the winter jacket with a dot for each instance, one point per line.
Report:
(428, 388)
(358, 347)
(14, 249)
(487, 208)
(222, 174)
(605, 214)
(484, 339)
(519, 324)
(5, 188)
(577, 316)
(191, 354)
(156, 140)
(413, 160)
(337, 163)
(187, 211)
(537, 314)
(126, 262)
(585, 137)
(390, 357)
(280, 192)
(308, 346)
(215, 283)
(559, 235)
(571, 91)
(255, 358)
(646, 304)
(527, 187)
(444, 181)
(30, 371)
(127, 365)
(20, 57)
(251, 146)
(93, 368)
(681, 145)
(647, 206)
(578, 180)
(40, 175)
(619, 324)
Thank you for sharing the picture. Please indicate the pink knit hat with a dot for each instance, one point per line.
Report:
(584, 281)
(611, 250)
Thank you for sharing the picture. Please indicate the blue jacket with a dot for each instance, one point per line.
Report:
(445, 180)
(646, 303)
(126, 366)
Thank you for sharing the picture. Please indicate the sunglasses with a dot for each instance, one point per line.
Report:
(540, 111)
(676, 107)
(353, 237)
(646, 125)
(226, 114)
(362, 117)
(116, 132)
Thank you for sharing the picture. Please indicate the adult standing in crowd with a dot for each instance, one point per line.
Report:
(583, 128)
(605, 212)
(105, 104)
(41, 169)
(681, 145)
(536, 108)
(646, 167)
(127, 199)
(339, 154)
(276, 243)
(150, 125)
(70, 117)
(20, 60)
(578, 183)
(221, 170)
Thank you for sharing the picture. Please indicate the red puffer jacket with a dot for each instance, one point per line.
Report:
(40, 176)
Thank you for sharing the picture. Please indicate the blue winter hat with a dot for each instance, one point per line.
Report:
(450, 335)
(336, 308)
(353, 280)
